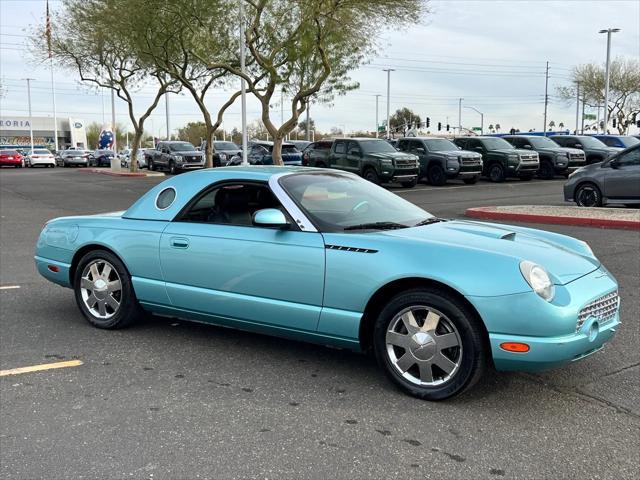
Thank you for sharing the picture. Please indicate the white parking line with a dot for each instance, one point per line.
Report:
(9, 287)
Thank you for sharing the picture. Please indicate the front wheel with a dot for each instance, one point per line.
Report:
(588, 195)
(371, 175)
(152, 167)
(436, 176)
(104, 292)
(172, 168)
(496, 173)
(430, 344)
(547, 172)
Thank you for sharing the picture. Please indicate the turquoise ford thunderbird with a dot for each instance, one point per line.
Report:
(327, 257)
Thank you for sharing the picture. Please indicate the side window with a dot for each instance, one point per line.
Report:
(353, 147)
(403, 145)
(341, 147)
(610, 142)
(629, 158)
(231, 204)
(473, 144)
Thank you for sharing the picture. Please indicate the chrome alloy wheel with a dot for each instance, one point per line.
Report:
(424, 346)
(101, 289)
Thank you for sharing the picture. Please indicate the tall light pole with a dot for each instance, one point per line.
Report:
(481, 118)
(377, 98)
(388, 70)
(166, 105)
(307, 130)
(243, 89)
(30, 119)
(608, 31)
(460, 116)
(577, 105)
(546, 99)
(113, 121)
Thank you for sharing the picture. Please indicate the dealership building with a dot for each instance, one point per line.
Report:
(14, 130)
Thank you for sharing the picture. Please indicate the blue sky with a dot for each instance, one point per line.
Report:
(491, 53)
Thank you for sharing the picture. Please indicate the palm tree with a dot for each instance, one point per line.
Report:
(497, 127)
(561, 126)
(552, 124)
(491, 128)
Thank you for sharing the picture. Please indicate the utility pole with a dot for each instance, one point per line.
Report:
(113, 120)
(583, 102)
(377, 98)
(577, 105)
(546, 98)
(55, 115)
(388, 70)
(30, 119)
(166, 105)
(608, 31)
(307, 128)
(243, 88)
(460, 116)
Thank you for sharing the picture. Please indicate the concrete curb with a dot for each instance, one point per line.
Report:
(120, 174)
(492, 213)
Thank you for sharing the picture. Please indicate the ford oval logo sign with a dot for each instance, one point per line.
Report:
(77, 125)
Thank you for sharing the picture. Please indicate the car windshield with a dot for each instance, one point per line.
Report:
(337, 202)
(542, 142)
(9, 152)
(377, 146)
(591, 142)
(496, 144)
(181, 147)
(225, 146)
(289, 149)
(629, 141)
(42, 152)
(440, 145)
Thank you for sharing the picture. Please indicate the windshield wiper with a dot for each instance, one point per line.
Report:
(376, 226)
(429, 221)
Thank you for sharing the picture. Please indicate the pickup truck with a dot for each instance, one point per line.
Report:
(441, 160)
(174, 157)
(373, 159)
(554, 159)
(500, 159)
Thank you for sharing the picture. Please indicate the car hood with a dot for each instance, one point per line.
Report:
(563, 261)
(460, 153)
(188, 152)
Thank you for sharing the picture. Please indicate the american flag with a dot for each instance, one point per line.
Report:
(47, 30)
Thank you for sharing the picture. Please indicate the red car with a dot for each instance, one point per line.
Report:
(11, 158)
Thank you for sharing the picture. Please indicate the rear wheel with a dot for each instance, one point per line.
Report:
(436, 176)
(496, 173)
(588, 195)
(546, 170)
(371, 175)
(429, 344)
(410, 184)
(104, 292)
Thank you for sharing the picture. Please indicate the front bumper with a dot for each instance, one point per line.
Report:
(548, 328)
(189, 166)
(391, 175)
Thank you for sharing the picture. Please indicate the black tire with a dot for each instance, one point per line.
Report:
(151, 166)
(436, 175)
(496, 173)
(546, 171)
(410, 184)
(320, 165)
(588, 195)
(472, 180)
(129, 309)
(371, 175)
(172, 168)
(471, 356)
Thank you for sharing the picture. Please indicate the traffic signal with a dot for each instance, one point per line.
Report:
(428, 122)
(447, 127)
(614, 123)
(439, 126)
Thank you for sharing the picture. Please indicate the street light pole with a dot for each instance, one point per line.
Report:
(608, 31)
(113, 120)
(377, 98)
(577, 105)
(481, 118)
(30, 119)
(388, 70)
(460, 116)
(546, 99)
(243, 89)
(166, 105)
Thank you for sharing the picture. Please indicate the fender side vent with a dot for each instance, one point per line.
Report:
(349, 249)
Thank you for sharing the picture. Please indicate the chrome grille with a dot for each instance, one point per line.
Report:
(402, 163)
(529, 158)
(603, 308)
(470, 161)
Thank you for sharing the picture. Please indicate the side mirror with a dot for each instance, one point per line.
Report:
(614, 164)
(577, 145)
(270, 217)
(354, 151)
(528, 147)
(478, 149)
(421, 150)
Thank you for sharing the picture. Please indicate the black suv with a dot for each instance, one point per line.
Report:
(500, 158)
(440, 159)
(554, 159)
(594, 150)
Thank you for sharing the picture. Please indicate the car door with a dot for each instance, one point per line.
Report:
(337, 158)
(622, 180)
(217, 263)
(353, 157)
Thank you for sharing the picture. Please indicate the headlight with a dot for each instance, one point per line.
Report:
(386, 161)
(178, 158)
(576, 171)
(223, 156)
(514, 158)
(538, 279)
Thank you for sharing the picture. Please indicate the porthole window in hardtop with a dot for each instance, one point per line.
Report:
(165, 198)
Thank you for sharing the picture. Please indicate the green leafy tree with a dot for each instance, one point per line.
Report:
(85, 38)
(624, 89)
(302, 126)
(193, 132)
(403, 119)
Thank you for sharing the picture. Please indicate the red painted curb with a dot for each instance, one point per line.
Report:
(110, 173)
(491, 214)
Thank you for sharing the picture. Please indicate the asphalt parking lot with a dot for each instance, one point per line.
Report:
(169, 399)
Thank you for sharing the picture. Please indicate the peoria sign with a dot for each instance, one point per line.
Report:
(14, 123)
